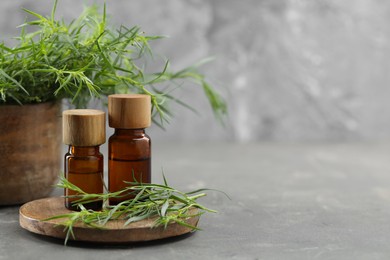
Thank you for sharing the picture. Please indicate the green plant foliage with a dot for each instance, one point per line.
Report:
(87, 59)
(168, 204)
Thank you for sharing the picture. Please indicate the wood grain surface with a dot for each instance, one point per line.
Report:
(31, 214)
(30, 159)
(129, 111)
(84, 127)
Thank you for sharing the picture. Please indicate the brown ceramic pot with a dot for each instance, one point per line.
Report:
(30, 145)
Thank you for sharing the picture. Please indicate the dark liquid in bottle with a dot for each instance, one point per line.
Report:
(128, 171)
(84, 168)
(129, 161)
(95, 184)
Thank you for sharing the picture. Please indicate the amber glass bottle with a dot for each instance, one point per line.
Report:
(84, 132)
(129, 148)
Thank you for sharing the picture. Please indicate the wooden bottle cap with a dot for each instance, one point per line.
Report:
(129, 111)
(84, 127)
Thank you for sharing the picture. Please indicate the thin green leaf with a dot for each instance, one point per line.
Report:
(165, 203)
(53, 11)
(2, 72)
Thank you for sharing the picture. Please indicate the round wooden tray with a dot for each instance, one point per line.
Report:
(31, 214)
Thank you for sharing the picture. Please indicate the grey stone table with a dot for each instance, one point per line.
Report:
(288, 201)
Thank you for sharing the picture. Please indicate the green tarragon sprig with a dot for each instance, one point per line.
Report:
(85, 59)
(167, 204)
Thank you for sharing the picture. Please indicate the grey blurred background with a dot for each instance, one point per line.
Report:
(291, 70)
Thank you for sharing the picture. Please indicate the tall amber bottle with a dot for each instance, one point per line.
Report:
(84, 131)
(129, 148)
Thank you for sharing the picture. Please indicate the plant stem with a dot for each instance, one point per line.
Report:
(167, 204)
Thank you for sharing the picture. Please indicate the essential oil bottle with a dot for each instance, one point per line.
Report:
(129, 148)
(84, 130)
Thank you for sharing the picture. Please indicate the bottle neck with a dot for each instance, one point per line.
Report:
(83, 150)
(135, 132)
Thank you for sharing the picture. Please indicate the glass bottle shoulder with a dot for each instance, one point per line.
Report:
(129, 145)
(86, 153)
(129, 136)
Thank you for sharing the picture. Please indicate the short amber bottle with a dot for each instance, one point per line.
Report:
(84, 132)
(129, 148)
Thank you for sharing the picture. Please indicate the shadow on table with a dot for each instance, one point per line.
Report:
(82, 244)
